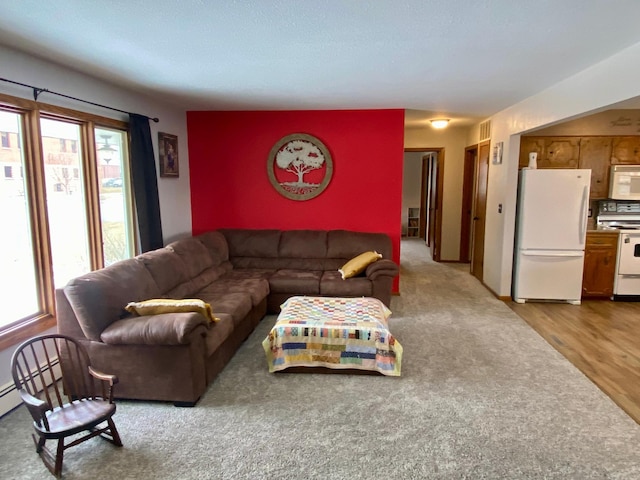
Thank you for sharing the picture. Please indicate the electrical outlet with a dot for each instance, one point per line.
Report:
(499, 208)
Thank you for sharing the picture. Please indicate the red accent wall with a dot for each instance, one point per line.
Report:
(230, 188)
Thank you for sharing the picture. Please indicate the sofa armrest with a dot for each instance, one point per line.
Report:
(383, 267)
(161, 329)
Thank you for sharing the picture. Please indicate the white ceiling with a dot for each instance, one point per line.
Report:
(462, 59)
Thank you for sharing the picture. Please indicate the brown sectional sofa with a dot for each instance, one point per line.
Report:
(243, 274)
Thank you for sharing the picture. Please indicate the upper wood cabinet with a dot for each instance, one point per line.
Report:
(553, 152)
(625, 150)
(528, 145)
(595, 153)
(560, 152)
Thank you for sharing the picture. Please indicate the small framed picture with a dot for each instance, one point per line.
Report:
(168, 155)
(497, 153)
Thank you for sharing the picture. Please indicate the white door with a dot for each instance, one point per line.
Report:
(553, 209)
(547, 275)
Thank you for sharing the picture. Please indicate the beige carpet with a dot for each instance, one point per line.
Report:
(481, 396)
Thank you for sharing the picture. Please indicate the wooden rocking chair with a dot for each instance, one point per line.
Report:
(84, 401)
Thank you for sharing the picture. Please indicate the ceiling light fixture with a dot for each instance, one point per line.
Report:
(440, 122)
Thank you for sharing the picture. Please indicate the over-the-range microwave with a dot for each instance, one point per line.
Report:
(624, 182)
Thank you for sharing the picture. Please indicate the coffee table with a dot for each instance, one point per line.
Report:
(333, 332)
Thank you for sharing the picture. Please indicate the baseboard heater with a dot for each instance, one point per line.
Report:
(9, 396)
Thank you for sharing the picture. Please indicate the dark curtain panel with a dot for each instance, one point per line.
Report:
(145, 183)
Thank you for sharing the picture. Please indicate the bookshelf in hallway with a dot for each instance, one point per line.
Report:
(413, 222)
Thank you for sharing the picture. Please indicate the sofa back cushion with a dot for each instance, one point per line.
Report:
(252, 243)
(253, 248)
(166, 267)
(194, 254)
(343, 245)
(98, 298)
(216, 243)
(303, 249)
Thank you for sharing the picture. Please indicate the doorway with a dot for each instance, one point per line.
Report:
(430, 218)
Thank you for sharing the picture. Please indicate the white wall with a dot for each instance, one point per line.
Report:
(454, 141)
(606, 83)
(175, 201)
(411, 184)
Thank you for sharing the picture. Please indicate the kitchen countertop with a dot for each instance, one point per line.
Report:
(593, 227)
(613, 231)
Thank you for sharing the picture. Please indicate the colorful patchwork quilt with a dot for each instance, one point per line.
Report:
(335, 333)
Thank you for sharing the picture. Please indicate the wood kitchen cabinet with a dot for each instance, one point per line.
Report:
(595, 154)
(553, 152)
(625, 150)
(560, 152)
(599, 263)
(528, 145)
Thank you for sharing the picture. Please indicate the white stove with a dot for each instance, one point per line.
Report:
(624, 216)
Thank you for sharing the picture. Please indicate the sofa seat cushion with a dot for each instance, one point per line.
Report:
(161, 329)
(205, 277)
(257, 288)
(303, 282)
(236, 304)
(218, 332)
(332, 285)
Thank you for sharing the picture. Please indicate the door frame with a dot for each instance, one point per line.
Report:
(435, 252)
(424, 182)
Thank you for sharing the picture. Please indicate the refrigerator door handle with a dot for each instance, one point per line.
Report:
(547, 253)
(583, 214)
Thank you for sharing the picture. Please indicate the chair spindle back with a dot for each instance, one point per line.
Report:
(37, 368)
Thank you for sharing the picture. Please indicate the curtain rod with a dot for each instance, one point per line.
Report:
(37, 91)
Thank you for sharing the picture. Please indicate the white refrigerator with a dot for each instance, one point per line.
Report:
(551, 230)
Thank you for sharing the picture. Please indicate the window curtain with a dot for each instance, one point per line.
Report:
(145, 183)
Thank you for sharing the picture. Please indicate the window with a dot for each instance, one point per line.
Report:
(65, 220)
(19, 295)
(115, 194)
(66, 204)
(5, 139)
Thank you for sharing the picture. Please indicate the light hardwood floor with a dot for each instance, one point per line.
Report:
(601, 338)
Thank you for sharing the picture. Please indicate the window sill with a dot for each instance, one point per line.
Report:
(22, 331)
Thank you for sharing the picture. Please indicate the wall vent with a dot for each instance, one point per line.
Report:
(485, 131)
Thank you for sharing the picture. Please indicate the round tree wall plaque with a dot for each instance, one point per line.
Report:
(299, 166)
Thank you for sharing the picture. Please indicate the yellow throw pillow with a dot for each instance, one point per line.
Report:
(166, 305)
(358, 264)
